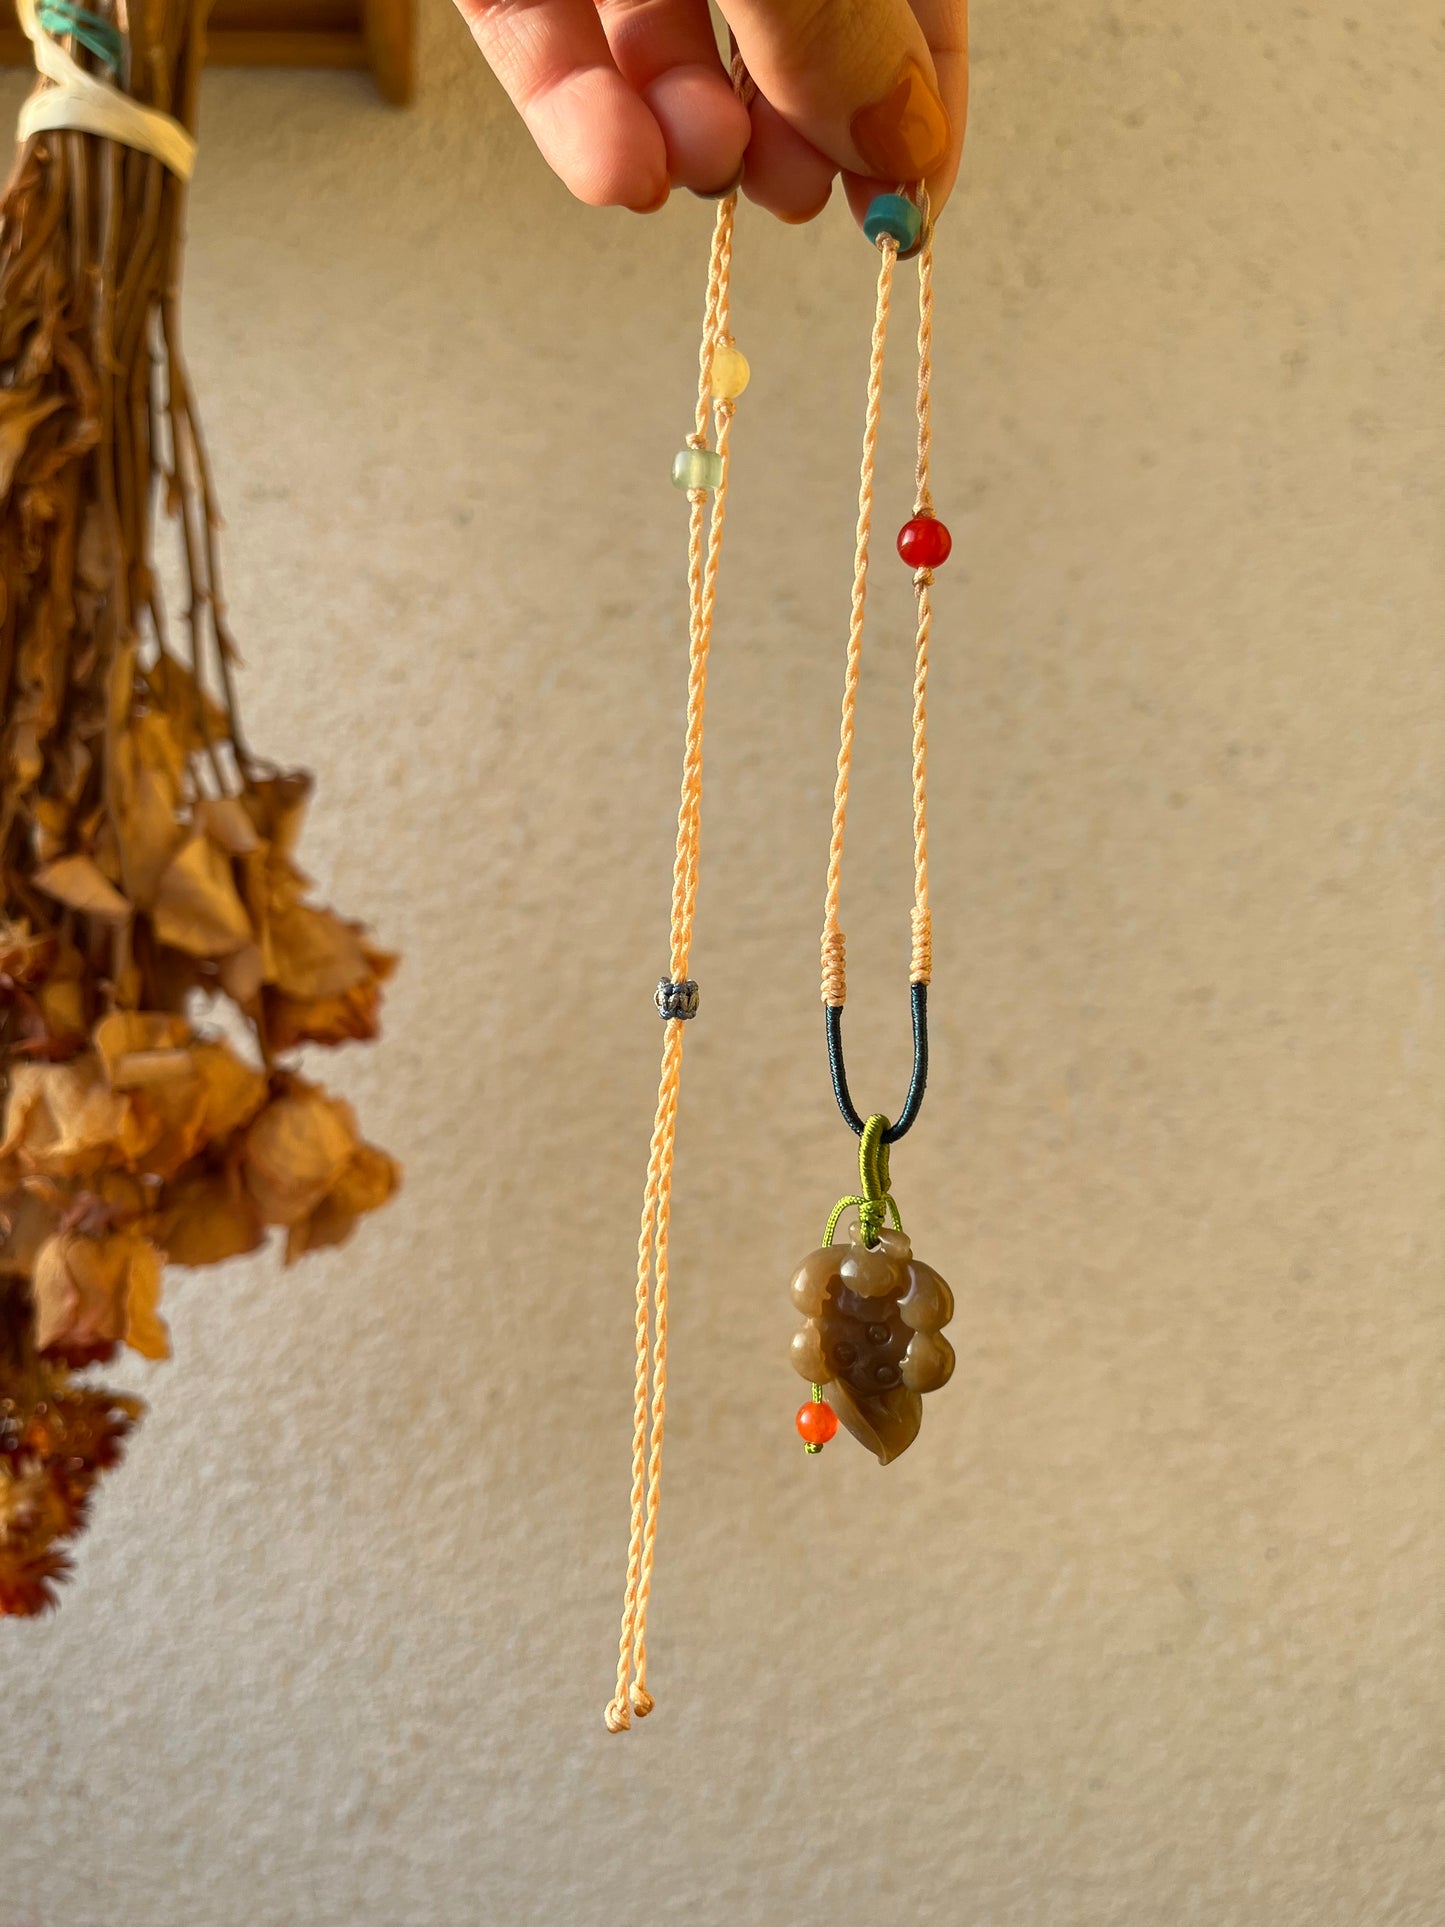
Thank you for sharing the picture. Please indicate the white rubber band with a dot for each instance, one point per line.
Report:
(90, 105)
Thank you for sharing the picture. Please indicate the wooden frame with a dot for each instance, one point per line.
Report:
(375, 34)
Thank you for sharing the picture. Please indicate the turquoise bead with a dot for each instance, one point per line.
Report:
(894, 215)
(696, 468)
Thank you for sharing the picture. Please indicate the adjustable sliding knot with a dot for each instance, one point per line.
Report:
(835, 974)
(679, 1000)
(921, 922)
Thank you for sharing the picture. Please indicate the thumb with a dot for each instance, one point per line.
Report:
(856, 79)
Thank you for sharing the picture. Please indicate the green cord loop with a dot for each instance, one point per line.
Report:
(97, 36)
(875, 1202)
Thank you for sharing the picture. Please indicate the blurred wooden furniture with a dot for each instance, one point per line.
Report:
(376, 34)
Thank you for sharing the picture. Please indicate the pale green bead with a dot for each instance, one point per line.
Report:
(730, 372)
(696, 468)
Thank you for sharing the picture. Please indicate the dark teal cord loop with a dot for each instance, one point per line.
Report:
(97, 36)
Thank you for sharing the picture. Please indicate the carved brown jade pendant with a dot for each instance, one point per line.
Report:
(873, 1336)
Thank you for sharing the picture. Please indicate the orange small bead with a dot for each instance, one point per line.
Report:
(817, 1422)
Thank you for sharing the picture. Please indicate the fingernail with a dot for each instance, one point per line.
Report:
(903, 136)
(719, 193)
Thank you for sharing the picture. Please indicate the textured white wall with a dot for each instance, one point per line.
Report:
(1148, 1628)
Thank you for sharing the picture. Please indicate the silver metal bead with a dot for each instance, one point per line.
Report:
(676, 1000)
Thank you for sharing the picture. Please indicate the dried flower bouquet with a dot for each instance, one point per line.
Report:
(159, 955)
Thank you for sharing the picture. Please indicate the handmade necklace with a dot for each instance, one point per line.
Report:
(873, 1314)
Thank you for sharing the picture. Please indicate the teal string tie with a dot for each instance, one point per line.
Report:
(875, 1202)
(99, 37)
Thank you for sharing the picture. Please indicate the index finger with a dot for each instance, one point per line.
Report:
(945, 28)
(553, 59)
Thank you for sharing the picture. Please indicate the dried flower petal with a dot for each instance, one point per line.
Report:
(61, 996)
(205, 1220)
(63, 1120)
(296, 1152)
(180, 1117)
(146, 1331)
(27, 1221)
(80, 884)
(242, 975)
(354, 1013)
(93, 1293)
(368, 1181)
(313, 953)
(227, 822)
(25, 956)
(142, 1047)
(277, 806)
(149, 774)
(234, 1091)
(196, 907)
(195, 720)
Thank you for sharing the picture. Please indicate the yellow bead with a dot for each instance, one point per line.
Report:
(730, 372)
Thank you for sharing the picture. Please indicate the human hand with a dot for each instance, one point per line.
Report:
(627, 98)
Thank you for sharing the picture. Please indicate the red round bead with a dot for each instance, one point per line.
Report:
(817, 1422)
(924, 542)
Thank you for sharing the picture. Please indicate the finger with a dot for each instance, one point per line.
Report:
(667, 51)
(552, 57)
(945, 26)
(854, 77)
(783, 172)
